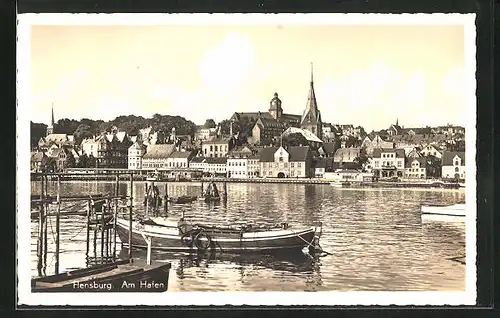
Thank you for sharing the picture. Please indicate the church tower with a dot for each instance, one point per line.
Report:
(311, 119)
(50, 128)
(275, 107)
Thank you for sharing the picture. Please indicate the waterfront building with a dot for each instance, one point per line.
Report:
(113, 152)
(135, 153)
(323, 165)
(216, 166)
(388, 162)
(415, 168)
(243, 163)
(217, 147)
(311, 118)
(180, 159)
(348, 175)
(453, 165)
(312, 140)
(286, 162)
(156, 156)
(431, 150)
(198, 163)
(93, 146)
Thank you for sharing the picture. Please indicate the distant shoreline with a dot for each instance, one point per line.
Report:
(376, 184)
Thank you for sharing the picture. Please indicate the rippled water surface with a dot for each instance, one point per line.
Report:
(376, 238)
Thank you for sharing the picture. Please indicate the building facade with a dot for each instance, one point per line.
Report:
(135, 154)
(286, 162)
(180, 159)
(216, 148)
(388, 163)
(415, 168)
(156, 156)
(453, 165)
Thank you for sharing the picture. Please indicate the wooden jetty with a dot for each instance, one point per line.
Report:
(103, 268)
(119, 276)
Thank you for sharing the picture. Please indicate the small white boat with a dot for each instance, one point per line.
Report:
(447, 210)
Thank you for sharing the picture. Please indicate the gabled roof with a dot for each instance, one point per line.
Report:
(448, 156)
(345, 165)
(121, 136)
(269, 123)
(329, 147)
(56, 138)
(422, 162)
(311, 113)
(296, 153)
(251, 115)
(181, 154)
(309, 136)
(159, 151)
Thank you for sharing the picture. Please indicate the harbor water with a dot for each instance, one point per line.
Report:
(376, 238)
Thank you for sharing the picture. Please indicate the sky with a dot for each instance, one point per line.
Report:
(368, 75)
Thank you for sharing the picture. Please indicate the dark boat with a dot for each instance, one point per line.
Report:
(182, 199)
(119, 276)
(171, 234)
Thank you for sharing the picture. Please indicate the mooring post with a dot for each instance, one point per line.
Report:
(94, 212)
(115, 215)
(40, 228)
(202, 188)
(45, 236)
(165, 200)
(102, 226)
(88, 228)
(56, 269)
(130, 218)
(149, 240)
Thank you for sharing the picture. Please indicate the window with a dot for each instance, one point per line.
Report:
(299, 164)
(211, 148)
(456, 169)
(280, 159)
(457, 163)
(215, 147)
(399, 164)
(292, 165)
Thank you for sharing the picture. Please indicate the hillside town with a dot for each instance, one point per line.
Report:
(263, 144)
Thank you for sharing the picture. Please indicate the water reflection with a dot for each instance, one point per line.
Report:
(376, 236)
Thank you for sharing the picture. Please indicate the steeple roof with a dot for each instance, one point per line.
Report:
(52, 121)
(311, 113)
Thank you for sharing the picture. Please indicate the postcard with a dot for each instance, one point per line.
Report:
(246, 159)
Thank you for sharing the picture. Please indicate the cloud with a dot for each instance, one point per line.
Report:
(226, 67)
(373, 94)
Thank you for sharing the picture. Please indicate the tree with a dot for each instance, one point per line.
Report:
(70, 161)
(48, 164)
(83, 161)
(83, 131)
(225, 127)
(37, 131)
(295, 139)
(362, 158)
(91, 162)
(209, 123)
(433, 166)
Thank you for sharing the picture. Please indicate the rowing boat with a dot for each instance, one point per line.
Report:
(174, 234)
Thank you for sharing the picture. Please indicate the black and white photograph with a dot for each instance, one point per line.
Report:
(246, 159)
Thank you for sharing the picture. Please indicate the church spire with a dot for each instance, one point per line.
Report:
(312, 77)
(397, 120)
(52, 121)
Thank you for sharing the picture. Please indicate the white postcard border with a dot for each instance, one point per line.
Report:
(26, 297)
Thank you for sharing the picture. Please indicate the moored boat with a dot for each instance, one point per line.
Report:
(119, 276)
(451, 210)
(172, 234)
(182, 199)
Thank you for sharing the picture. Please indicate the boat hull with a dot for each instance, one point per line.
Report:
(168, 240)
(456, 210)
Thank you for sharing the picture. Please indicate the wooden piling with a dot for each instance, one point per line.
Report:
(45, 232)
(115, 215)
(202, 188)
(94, 212)
(130, 217)
(88, 229)
(106, 204)
(56, 266)
(40, 228)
